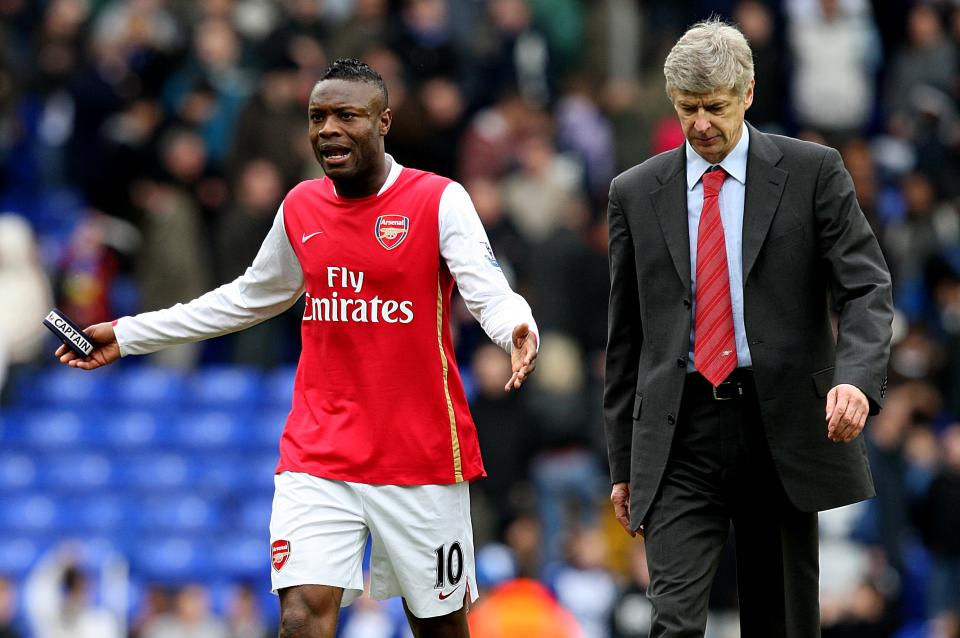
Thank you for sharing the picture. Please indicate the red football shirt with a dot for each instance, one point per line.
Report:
(378, 398)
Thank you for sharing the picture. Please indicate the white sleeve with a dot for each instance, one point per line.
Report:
(270, 285)
(470, 259)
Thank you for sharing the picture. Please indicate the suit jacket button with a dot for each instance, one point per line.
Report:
(670, 419)
(686, 303)
(681, 362)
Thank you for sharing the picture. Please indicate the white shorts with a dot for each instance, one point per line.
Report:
(422, 540)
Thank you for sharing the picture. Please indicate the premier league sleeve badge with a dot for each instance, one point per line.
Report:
(69, 333)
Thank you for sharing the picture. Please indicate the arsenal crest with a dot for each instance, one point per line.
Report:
(391, 230)
(279, 553)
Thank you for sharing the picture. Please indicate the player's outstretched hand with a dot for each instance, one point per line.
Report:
(105, 351)
(523, 356)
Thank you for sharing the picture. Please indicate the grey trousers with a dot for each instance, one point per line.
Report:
(720, 471)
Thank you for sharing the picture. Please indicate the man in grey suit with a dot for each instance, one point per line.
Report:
(728, 396)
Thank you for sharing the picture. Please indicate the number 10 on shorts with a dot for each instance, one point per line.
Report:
(449, 565)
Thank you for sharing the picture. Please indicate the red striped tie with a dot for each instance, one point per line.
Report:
(714, 345)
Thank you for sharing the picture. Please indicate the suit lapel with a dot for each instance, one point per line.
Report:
(670, 205)
(765, 183)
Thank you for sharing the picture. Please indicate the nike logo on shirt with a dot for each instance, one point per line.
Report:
(443, 596)
(305, 237)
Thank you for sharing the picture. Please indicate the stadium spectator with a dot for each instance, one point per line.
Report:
(506, 438)
(517, 55)
(567, 475)
(172, 264)
(369, 23)
(865, 614)
(511, 248)
(539, 195)
(858, 158)
(208, 90)
(835, 55)
(430, 121)
(344, 453)
(89, 266)
(270, 124)
(927, 59)
(424, 40)
(771, 64)
(632, 612)
(583, 584)
(191, 617)
(156, 605)
(369, 618)
(491, 143)
(244, 617)
(58, 600)
(26, 289)
(522, 608)
(242, 226)
(928, 226)
(946, 292)
(939, 520)
(583, 129)
(8, 609)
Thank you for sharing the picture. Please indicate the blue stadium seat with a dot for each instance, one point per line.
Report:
(148, 386)
(14, 433)
(254, 515)
(172, 559)
(226, 474)
(19, 553)
(161, 471)
(262, 468)
(99, 513)
(210, 430)
(28, 512)
(46, 429)
(278, 387)
(136, 429)
(62, 386)
(243, 556)
(78, 471)
(226, 386)
(17, 471)
(267, 426)
(179, 513)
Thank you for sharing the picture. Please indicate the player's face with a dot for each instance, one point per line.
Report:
(712, 123)
(347, 124)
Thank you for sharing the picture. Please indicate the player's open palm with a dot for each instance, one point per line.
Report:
(106, 349)
(523, 356)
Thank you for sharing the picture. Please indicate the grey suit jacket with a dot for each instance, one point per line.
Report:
(805, 240)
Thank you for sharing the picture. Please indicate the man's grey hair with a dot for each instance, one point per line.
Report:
(710, 56)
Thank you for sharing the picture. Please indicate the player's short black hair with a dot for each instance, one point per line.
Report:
(353, 70)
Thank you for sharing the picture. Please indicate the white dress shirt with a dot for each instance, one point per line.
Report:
(731, 216)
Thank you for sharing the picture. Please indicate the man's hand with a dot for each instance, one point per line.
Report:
(847, 410)
(620, 497)
(106, 349)
(523, 356)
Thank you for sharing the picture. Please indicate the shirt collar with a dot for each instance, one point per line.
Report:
(735, 163)
(394, 173)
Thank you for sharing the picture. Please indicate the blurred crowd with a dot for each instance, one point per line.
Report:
(146, 144)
